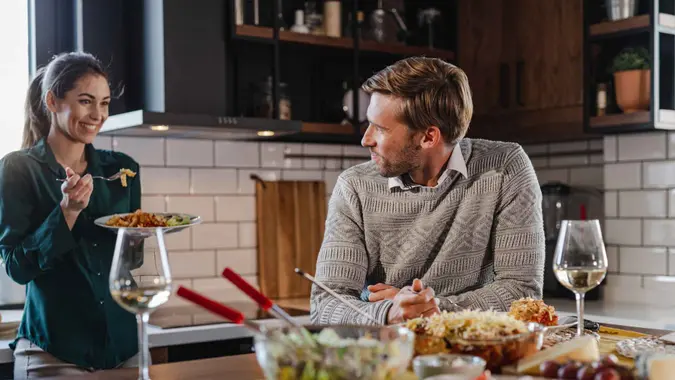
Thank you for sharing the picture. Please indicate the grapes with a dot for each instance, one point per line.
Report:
(568, 371)
(549, 369)
(608, 374)
(586, 373)
(607, 368)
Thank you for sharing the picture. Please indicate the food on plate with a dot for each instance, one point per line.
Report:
(496, 337)
(655, 365)
(582, 349)
(124, 174)
(531, 310)
(338, 353)
(563, 335)
(146, 219)
(607, 367)
(632, 347)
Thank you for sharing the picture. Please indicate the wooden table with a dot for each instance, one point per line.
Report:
(240, 367)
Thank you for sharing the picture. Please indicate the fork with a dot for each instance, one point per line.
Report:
(111, 178)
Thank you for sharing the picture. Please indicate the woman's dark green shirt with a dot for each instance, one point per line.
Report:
(68, 311)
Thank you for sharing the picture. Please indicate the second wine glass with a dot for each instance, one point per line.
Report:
(580, 261)
(140, 281)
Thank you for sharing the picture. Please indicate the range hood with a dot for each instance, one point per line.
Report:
(179, 76)
(162, 124)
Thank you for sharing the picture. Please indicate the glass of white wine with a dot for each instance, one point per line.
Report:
(580, 261)
(140, 281)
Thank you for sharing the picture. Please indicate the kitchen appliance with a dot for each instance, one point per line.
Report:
(559, 202)
(620, 9)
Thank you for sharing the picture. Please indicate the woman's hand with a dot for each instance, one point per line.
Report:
(76, 193)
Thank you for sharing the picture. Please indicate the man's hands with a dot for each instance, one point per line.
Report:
(410, 302)
(380, 291)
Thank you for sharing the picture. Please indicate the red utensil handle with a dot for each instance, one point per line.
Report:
(264, 302)
(213, 306)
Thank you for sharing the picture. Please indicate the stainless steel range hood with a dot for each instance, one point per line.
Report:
(184, 83)
(162, 124)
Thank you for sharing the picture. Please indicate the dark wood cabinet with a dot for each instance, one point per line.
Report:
(525, 66)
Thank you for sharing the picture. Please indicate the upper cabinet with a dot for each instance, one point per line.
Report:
(524, 60)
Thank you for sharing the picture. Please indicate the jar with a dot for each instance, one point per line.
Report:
(332, 18)
(264, 99)
(601, 99)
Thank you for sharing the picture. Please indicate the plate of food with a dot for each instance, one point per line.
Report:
(496, 337)
(146, 223)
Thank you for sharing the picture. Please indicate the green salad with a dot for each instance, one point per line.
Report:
(178, 220)
(326, 355)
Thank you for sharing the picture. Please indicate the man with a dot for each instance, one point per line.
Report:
(434, 221)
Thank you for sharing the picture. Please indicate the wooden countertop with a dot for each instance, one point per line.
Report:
(240, 367)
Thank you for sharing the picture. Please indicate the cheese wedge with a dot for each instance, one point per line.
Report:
(584, 349)
(670, 338)
(656, 366)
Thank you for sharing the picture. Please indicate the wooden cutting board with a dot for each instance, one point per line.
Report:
(291, 216)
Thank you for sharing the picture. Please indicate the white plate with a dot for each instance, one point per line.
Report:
(149, 231)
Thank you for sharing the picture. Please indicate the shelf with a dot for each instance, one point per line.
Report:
(666, 24)
(265, 33)
(620, 119)
(620, 26)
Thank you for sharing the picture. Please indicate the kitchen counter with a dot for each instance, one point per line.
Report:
(623, 314)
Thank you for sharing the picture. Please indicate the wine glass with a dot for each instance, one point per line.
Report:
(580, 261)
(140, 281)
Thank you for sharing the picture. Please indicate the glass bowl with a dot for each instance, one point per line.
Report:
(343, 352)
(430, 365)
(497, 352)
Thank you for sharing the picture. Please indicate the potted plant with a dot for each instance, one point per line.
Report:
(632, 80)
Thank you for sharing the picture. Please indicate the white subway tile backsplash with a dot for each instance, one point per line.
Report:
(671, 261)
(671, 203)
(659, 174)
(659, 284)
(330, 177)
(222, 290)
(239, 154)
(596, 144)
(535, 148)
(623, 231)
(103, 142)
(568, 146)
(165, 180)
(247, 235)
(553, 175)
(247, 185)
(356, 151)
(539, 162)
(623, 288)
(145, 150)
(189, 152)
(640, 260)
(236, 208)
(201, 206)
(153, 203)
(587, 176)
(273, 155)
(575, 160)
(333, 163)
(191, 264)
(597, 159)
(612, 259)
(642, 146)
(174, 300)
(622, 176)
(659, 232)
(624, 281)
(313, 163)
(213, 181)
(322, 149)
(671, 145)
(611, 204)
(302, 175)
(214, 236)
(610, 148)
(242, 261)
(178, 241)
(643, 203)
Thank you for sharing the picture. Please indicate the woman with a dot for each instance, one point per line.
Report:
(48, 239)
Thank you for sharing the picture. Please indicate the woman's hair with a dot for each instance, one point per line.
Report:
(59, 77)
(432, 91)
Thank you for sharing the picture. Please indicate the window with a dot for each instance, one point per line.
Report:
(14, 72)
